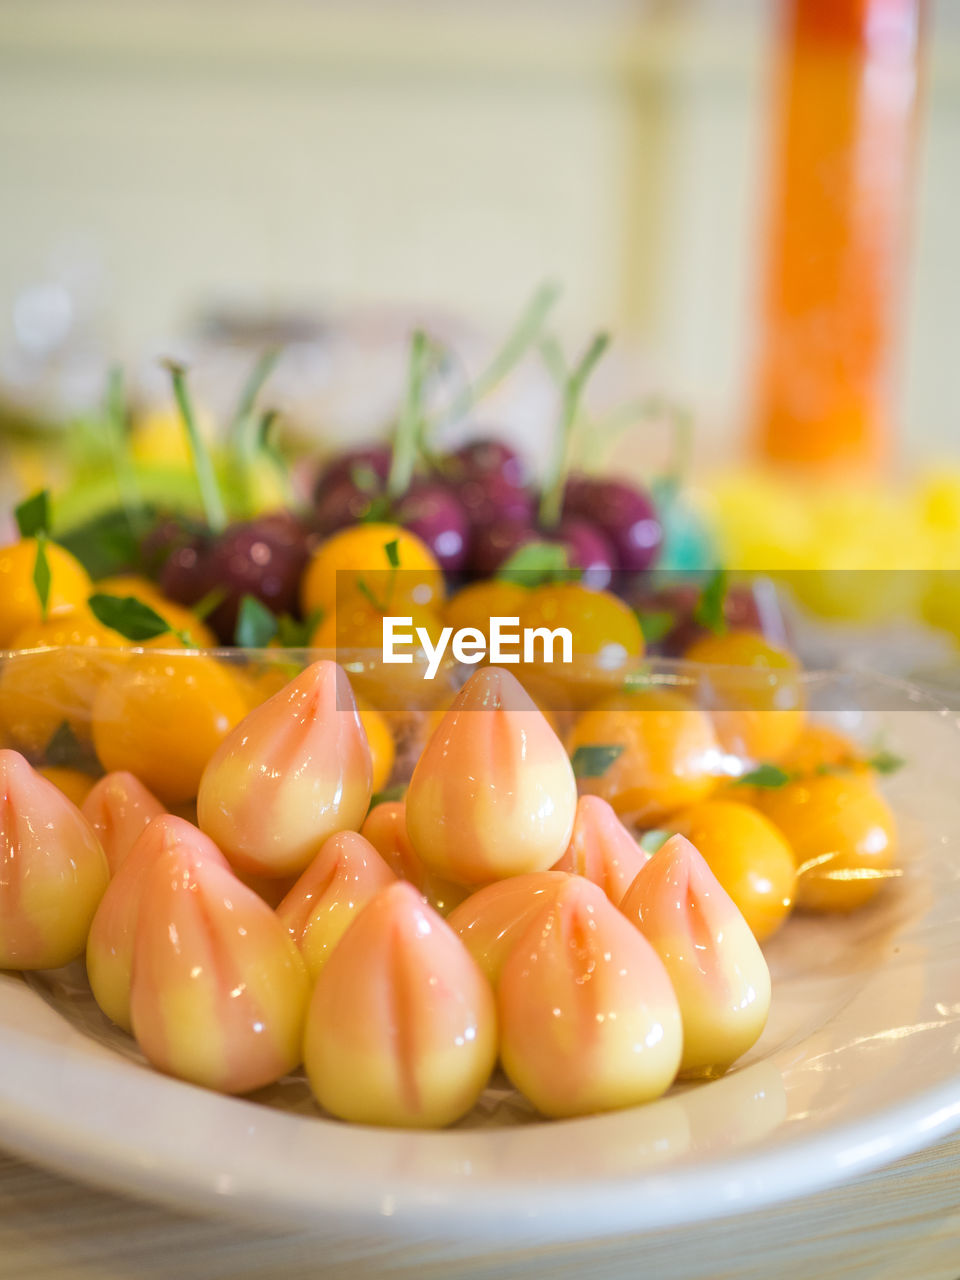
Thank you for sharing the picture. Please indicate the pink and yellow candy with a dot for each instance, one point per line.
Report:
(385, 826)
(589, 1021)
(714, 962)
(402, 1025)
(493, 793)
(53, 871)
(119, 808)
(219, 990)
(337, 885)
(294, 771)
(111, 940)
(491, 921)
(602, 849)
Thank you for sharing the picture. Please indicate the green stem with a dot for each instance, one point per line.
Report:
(551, 502)
(407, 435)
(252, 387)
(202, 463)
(525, 335)
(116, 414)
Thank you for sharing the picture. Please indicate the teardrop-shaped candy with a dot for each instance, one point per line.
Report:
(337, 885)
(714, 962)
(295, 770)
(602, 849)
(53, 871)
(110, 944)
(588, 1019)
(385, 826)
(491, 921)
(402, 1025)
(493, 793)
(219, 990)
(119, 808)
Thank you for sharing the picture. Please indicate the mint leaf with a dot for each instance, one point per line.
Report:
(656, 624)
(33, 515)
(536, 563)
(129, 617)
(392, 550)
(654, 840)
(710, 608)
(593, 761)
(66, 750)
(256, 625)
(41, 574)
(294, 634)
(396, 792)
(769, 776)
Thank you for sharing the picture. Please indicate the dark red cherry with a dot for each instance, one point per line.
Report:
(431, 511)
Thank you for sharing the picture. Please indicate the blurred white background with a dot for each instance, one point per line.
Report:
(162, 157)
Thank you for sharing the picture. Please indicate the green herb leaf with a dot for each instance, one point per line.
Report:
(33, 515)
(128, 616)
(654, 840)
(594, 760)
(656, 624)
(884, 761)
(396, 792)
(392, 550)
(206, 604)
(256, 625)
(41, 574)
(536, 563)
(710, 608)
(769, 776)
(67, 751)
(294, 634)
(105, 545)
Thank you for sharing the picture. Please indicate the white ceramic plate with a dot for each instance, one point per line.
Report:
(859, 1064)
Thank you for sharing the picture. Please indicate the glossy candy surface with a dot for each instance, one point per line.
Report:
(715, 964)
(493, 793)
(53, 871)
(336, 886)
(402, 1024)
(219, 990)
(602, 849)
(293, 772)
(119, 808)
(491, 921)
(588, 1019)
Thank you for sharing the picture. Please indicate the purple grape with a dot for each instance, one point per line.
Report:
(340, 504)
(432, 512)
(375, 458)
(624, 513)
(493, 498)
(167, 536)
(587, 549)
(187, 575)
(264, 558)
(482, 458)
(492, 544)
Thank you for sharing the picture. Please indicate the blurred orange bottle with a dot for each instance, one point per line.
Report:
(841, 185)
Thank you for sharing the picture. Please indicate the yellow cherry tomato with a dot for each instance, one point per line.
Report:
(748, 855)
(74, 784)
(383, 751)
(163, 716)
(358, 554)
(820, 747)
(55, 677)
(760, 717)
(19, 604)
(669, 756)
(606, 640)
(475, 604)
(843, 835)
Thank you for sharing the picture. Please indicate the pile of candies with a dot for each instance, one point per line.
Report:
(501, 910)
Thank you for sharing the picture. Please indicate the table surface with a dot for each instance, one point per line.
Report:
(900, 1221)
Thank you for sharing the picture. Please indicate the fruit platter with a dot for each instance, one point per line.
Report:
(438, 850)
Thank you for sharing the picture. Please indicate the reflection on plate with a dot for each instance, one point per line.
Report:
(857, 1066)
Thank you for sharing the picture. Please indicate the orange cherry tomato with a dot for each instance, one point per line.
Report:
(748, 855)
(843, 835)
(358, 555)
(69, 586)
(669, 757)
